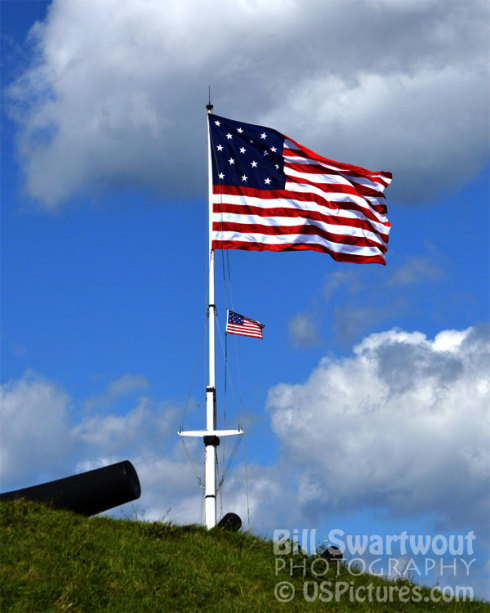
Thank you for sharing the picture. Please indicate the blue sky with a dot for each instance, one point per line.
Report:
(365, 404)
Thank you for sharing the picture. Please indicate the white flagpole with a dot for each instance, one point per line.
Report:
(210, 434)
(210, 441)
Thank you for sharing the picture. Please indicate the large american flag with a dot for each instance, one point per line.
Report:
(239, 324)
(271, 193)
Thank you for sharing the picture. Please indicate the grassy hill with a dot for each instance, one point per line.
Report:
(59, 561)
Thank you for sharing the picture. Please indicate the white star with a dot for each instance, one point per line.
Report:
(244, 177)
(267, 181)
(217, 123)
(228, 136)
(263, 135)
(221, 175)
(242, 149)
(219, 147)
(266, 153)
(273, 149)
(231, 161)
(239, 130)
(254, 164)
(277, 166)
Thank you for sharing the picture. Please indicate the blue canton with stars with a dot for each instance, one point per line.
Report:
(235, 318)
(245, 154)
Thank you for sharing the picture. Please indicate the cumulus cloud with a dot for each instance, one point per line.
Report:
(401, 425)
(36, 438)
(115, 91)
(40, 444)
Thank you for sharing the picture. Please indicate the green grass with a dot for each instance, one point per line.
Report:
(59, 561)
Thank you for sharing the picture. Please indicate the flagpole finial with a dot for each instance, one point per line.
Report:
(209, 106)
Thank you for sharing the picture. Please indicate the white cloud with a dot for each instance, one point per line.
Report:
(121, 387)
(335, 280)
(348, 307)
(416, 270)
(39, 444)
(142, 428)
(402, 425)
(399, 426)
(36, 438)
(115, 94)
(303, 331)
(349, 322)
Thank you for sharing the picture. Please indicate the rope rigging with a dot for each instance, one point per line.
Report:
(225, 459)
(187, 403)
(228, 293)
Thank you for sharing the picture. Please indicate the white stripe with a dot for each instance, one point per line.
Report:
(296, 151)
(335, 197)
(244, 328)
(373, 179)
(297, 221)
(282, 239)
(316, 177)
(379, 186)
(235, 328)
(306, 206)
(374, 200)
(343, 179)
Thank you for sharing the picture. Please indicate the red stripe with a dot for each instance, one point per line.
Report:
(247, 324)
(359, 189)
(237, 190)
(309, 230)
(244, 328)
(270, 194)
(244, 331)
(243, 334)
(277, 212)
(383, 177)
(339, 257)
(329, 167)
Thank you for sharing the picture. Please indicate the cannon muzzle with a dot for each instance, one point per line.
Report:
(87, 493)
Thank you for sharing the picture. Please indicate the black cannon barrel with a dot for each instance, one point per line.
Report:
(230, 521)
(87, 493)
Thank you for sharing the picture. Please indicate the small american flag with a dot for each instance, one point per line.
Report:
(238, 324)
(271, 193)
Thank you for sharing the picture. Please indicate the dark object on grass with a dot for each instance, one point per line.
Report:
(332, 553)
(87, 493)
(230, 521)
